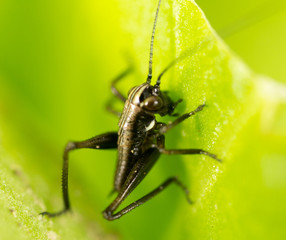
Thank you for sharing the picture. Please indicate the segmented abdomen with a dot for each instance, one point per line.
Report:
(131, 135)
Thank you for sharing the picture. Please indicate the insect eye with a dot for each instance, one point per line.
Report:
(152, 103)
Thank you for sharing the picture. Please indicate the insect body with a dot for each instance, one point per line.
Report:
(139, 141)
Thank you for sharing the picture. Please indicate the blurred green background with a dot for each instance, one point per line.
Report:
(57, 59)
(255, 32)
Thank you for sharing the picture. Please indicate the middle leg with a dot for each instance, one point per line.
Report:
(163, 150)
(114, 90)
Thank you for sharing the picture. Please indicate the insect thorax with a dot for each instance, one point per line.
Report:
(133, 126)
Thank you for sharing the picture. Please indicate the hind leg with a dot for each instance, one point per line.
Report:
(104, 141)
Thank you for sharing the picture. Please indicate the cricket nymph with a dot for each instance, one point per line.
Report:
(139, 141)
(136, 123)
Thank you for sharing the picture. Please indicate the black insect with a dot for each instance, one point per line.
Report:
(140, 141)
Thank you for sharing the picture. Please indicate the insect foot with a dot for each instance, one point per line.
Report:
(199, 108)
(51, 215)
(211, 155)
(107, 214)
(184, 188)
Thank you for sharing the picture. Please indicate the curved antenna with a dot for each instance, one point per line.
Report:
(180, 58)
(151, 45)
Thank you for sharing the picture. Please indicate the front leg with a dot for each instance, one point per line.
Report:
(103, 141)
(166, 127)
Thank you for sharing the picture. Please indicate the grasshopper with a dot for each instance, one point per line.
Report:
(139, 141)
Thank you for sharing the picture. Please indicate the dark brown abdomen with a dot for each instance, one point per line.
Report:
(131, 135)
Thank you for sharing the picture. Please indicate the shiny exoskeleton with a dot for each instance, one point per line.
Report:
(140, 141)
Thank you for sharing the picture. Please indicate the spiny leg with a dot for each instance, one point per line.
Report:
(136, 175)
(103, 141)
(109, 216)
(166, 128)
(161, 146)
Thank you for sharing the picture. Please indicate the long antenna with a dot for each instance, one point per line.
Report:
(265, 10)
(151, 45)
(186, 54)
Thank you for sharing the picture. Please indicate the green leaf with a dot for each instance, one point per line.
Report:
(60, 59)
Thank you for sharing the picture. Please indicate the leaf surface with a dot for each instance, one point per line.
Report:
(54, 84)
